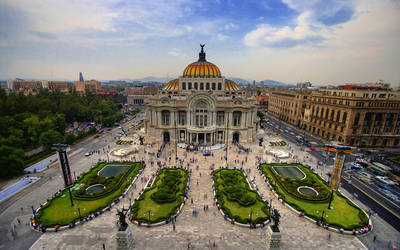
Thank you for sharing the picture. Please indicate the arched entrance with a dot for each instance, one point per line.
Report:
(235, 137)
(166, 137)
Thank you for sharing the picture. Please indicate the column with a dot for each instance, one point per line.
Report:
(197, 138)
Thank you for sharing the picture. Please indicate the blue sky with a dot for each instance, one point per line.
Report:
(322, 41)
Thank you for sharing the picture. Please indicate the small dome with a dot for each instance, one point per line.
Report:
(172, 85)
(231, 85)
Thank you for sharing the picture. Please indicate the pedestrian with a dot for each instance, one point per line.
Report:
(191, 200)
(374, 238)
(173, 226)
(104, 246)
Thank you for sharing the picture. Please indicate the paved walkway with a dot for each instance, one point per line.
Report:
(208, 228)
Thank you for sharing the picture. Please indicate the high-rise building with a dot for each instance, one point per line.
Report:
(81, 77)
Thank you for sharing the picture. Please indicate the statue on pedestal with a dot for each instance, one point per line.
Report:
(141, 140)
(122, 219)
(275, 216)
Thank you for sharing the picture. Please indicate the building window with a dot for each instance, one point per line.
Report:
(220, 118)
(344, 117)
(189, 85)
(213, 86)
(332, 114)
(184, 85)
(396, 142)
(357, 119)
(219, 86)
(237, 115)
(207, 86)
(322, 113)
(201, 86)
(182, 117)
(165, 116)
(374, 141)
(196, 85)
(201, 117)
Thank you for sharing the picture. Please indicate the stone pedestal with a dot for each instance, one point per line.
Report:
(125, 239)
(273, 239)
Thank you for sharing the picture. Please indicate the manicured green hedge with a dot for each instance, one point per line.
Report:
(58, 211)
(344, 214)
(163, 198)
(234, 193)
(111, 183)
(291, 185)
(120, 142)
(277, 143)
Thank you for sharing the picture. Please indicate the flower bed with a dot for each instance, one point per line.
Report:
(342, 215)
(277, 143)
(163, 199)
(236, 198)
(58, 211)
(121, 142)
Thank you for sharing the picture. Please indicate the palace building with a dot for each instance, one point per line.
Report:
(354, 115)
(201, 107)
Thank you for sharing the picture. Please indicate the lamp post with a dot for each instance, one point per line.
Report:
(330, 200)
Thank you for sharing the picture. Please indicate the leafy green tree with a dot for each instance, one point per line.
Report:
(50, 137)
(261, 115)
(11, 162)
(69, 138)
(108, 121)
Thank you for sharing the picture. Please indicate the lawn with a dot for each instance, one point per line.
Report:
(163, 198)
(236, 198)
(58, 211)
(343, 214)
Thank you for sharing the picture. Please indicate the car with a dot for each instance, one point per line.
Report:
(109, 129)
(88, 154)
(96, 136)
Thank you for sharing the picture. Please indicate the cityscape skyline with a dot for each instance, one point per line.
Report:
(322, 42)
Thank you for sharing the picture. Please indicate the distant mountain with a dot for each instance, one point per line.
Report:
(149, 79)
(274, 83)
(240, 81)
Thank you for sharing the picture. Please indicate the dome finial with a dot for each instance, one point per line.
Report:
(202, 54)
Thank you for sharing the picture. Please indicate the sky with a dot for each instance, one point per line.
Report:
(321, 41)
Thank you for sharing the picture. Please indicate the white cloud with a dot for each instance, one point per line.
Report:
(230, 26)
(221, 37)
(303, 33)
(175, 52)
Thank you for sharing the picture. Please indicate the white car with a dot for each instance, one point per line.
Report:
(88, 154)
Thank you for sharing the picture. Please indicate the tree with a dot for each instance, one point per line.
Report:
(108, 121)
(50, 137)
(11, 162)
(69, 138)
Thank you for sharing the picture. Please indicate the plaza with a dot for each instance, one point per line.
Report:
(209, 228)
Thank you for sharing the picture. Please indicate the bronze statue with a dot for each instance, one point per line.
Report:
(275, 216)
(122, 219)
(202, 47)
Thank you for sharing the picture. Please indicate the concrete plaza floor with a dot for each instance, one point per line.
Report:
(209, 229)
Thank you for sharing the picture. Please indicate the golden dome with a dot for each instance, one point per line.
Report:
(202, 68)
(172, 85)
(231, 85)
